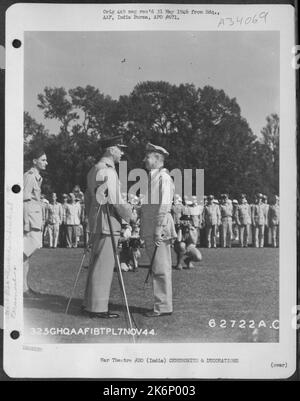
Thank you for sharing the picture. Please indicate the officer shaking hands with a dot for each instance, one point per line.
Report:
(157, 228)
(103, 182)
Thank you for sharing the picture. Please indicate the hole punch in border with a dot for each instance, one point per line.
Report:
(16, 188)
(16, 43)
(15, 334)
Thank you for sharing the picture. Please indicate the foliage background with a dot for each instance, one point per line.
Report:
(200, 127)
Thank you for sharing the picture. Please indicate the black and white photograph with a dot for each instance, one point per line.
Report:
(154, 174)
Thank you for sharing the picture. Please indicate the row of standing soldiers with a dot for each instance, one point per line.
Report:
(230, 219)
(64, 223)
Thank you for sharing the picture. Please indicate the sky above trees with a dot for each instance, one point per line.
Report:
(244, 64)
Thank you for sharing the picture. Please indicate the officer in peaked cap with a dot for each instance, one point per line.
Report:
(117, 141)
(157, 228)
(103, 183)
(156, 149)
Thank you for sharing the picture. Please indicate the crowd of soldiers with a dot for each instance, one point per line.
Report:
(219, 221)
(210, 223)
(64, 223)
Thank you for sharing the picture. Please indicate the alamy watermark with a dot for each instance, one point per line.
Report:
(154, 187)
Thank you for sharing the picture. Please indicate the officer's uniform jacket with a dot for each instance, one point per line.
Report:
(226, 210)
(258, 214)
(243, 216)
(156, 218)
(103, 181)
(274, 214)
(212, 215)
(32, 206)
(196, 214)
(73, 213)
(54, 213)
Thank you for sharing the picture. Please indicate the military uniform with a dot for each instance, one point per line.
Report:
(157, 221)
(266, 227)
(226, 223)
(102, 260)
(212, 221)
(32, 216)
(63, 227)
(54, 219)
(274, 213)
(258, 224)
(243, 218)
(73, 214)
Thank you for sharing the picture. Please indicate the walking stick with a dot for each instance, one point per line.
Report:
(120, 276)
(86, 250)
(150, 267)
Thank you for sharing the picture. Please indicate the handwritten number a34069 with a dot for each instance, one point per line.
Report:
(238, 21)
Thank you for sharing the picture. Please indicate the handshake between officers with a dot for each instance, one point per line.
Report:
(107, 210)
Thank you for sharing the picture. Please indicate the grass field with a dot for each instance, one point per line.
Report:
(229, 286)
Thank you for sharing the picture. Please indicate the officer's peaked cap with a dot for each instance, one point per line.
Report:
(157, 149)
(113, 141)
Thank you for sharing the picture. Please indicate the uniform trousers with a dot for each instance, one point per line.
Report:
(53, 232)
(72, 233)
(211, 236)
(226, 230)
(244, 234)
(100, 273)
(275, 235)
(161, 275)
(258, 236)
(32, 240)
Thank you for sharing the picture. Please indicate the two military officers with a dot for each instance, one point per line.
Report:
(32, 214)
(157, 228)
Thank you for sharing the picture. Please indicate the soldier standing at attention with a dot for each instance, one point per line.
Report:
(274, 220)
(54, 220)
(73, 212)
(266, 228)
(157, 228)
(202, 237)
(258, 221)
(226, 221)
(32, 214)
(63, 227)
(103, 181)
(212, 221)
(243, 219)
(196, 212)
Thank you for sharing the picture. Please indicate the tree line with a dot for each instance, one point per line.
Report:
(201, 128)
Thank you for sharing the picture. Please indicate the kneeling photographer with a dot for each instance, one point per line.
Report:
(185, 244)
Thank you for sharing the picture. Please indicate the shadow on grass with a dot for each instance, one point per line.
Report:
(58, 304)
